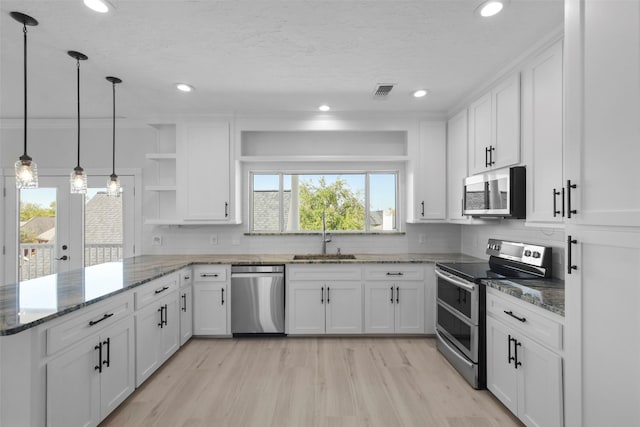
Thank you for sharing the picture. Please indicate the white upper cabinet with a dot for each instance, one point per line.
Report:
(203, 171)
(456, 164)
(429, 176)
(602, 136)
(494, 127)
(542, 135)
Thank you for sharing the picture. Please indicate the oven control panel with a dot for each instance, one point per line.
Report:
(523, 252)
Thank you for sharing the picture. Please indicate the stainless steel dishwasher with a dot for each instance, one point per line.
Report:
(257, 299)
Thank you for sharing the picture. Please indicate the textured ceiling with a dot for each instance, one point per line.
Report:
(261, 55)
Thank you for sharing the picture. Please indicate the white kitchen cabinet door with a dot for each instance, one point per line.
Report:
(203, 171)
(457, 135)
(602, 134)
(505, 104)
(186, 314)
(210, 303)
(73, 386)
(117, 380)
(601, 297)
(306, 307)
(148, 336)
(343, 308)
(502, 377)
(430, 187)
(539, 385)
(480, 134)
(170, 331)
(379, 308)
(542, 110)
(409, 308)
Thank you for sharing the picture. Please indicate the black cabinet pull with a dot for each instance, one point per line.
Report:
(459, 299)
(397, 273)
(555, 203)
(107, 343)
(164, 288)
(208, 274)
(391, 294)
(98, 367)
(328, 294)
(187, 277)
(222, 297)
(422, 211)
(322, 295)
(161, 310)
(570, 266)
(184, 302)
(515, 347)
(104, 317)
(563, 209)
(510, 313)
(226, 209)
(569, 187)
(491, 150)
(486, 157)
(166, 312)
(510, 358)
(63, 258)
(397, 294)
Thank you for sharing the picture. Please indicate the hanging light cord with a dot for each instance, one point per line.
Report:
(78, 66)
(24, 30)
(113, 169)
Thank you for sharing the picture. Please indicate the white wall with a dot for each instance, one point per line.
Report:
(474, 239)
(439, 238)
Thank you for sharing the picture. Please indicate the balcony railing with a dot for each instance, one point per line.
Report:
(38, 259)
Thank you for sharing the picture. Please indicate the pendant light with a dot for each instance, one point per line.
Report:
(113, 184)
(78, 179)
(26, 168)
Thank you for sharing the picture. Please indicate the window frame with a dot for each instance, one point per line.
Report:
(396, 170)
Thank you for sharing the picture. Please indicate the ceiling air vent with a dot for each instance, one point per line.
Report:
(382, 90)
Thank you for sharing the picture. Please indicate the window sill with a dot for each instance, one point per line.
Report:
(331, 233)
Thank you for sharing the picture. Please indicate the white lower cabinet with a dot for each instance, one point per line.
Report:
(523, 374)
(394, 299)
(211, 300)
(186, 314)
(318, 302)
(88, 381)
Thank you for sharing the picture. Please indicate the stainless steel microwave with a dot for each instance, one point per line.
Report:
(499, 193)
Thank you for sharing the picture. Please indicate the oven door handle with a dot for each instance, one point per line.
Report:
(457, 282)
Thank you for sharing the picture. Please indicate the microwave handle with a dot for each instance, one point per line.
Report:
(457, 282)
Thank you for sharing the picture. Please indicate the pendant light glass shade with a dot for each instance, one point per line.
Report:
(113, 184)
(25, 168)
(78, 178)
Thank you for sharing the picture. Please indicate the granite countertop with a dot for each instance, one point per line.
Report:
(545, 293)
(33, 302)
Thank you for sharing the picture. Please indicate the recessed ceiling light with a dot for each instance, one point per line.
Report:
(97, 5)
(324, 107)
(490, 8)
(184, 87)
(420, 93)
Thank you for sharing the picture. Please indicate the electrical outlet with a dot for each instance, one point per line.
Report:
(213, 239)
(422, 238)
(156, 240)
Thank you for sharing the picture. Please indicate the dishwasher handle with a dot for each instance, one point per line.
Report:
(250, 275)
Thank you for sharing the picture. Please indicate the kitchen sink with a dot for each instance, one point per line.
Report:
(324, 257)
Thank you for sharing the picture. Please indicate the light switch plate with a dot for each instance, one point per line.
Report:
(156, 240)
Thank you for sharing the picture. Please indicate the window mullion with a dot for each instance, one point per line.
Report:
(367, 219)
(281, 196)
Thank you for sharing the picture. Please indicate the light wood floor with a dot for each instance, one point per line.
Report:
(302, 382)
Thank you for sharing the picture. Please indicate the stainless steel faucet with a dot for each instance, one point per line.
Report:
(325, 239)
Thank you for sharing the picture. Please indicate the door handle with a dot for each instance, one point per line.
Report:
(515, 347)
(391, 294)
(184, 302)
(555, 207)
(491, 150)
(226, 209)
(397, 294)
(328, 293)
(322, 295)
(422, 211)
(570, 266)
(509, 357)
(569, 187)
(222, 297)
(63, 258)
(486, 157)
(107, 343)
(161, 310)
(98, 367)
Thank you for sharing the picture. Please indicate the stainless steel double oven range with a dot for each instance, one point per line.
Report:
(460, 326)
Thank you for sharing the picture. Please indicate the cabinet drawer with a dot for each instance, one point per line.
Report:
(324, 272)
(186, 277)
(395, 272)
(88, 321)
(155, 290)
(213, 273)
(536, 326)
